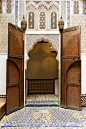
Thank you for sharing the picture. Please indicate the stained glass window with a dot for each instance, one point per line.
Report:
(84, 7)
(76, 7)
(8, 7)
(42, 20)
(53, 20)
(31, 20)
(0, 6)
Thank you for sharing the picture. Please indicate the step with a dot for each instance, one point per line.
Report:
(46, 97)
(42, 100)
(41, 104)
(2, 107)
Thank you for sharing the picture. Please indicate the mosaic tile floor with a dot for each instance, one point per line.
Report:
(45, 117)
(42, 100)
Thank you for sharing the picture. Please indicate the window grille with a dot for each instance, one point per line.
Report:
(53, 20)
(31, 20)
(42, 20)
(76, 7)
(8, 7)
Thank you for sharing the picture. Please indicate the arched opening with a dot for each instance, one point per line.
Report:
(42, 73)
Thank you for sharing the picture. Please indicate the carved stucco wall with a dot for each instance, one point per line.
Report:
(31, 40)
(80, 20)
(63, 10)
(4, 19)
(21, 9)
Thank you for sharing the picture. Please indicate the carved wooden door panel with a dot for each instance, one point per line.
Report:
(70, 53)
(73, 89)
(12, 89)
(16, 56)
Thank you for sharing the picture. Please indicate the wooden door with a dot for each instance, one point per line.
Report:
(73, 86)
(15, 69)
(70, 53)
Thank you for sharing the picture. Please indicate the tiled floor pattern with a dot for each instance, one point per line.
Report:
(44, 128)
(45, 117)
(42, 100)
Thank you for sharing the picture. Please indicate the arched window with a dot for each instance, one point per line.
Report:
(53, 20)
(76, 7)
(8, 6)
(0, 6)
(84, 7)
(42, 20)
(31, 20)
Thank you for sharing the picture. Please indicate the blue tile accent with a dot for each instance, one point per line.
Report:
(16, 13)
(45, 117)
(68, 13)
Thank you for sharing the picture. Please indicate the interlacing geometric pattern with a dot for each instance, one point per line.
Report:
(21, 9)
(80, 20)
(45, 117)
(83, 100)
(63, 10)
(4, 20)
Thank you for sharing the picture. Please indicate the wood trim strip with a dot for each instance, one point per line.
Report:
(70, 29)
(70, 57)
(15, 27)
(13, 56)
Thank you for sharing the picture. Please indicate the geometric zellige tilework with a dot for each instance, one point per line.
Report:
(83, 100)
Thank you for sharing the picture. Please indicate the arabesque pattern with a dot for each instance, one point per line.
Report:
(80, 20)
(4, 20)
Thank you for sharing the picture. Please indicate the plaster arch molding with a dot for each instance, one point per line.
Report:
(42, 5)
(32, 42)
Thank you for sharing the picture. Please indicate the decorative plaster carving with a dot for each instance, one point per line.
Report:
(42, 6)
(63, 10)
(4, 20)
(21, 9)
(55, 4)
(80, 20)
(32, 4)
(31, 40)
(53, 8)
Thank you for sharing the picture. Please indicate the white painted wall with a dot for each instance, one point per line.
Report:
(3, 74)
(83, 73)
(56, 87)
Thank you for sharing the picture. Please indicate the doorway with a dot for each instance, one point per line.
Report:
(42, 72)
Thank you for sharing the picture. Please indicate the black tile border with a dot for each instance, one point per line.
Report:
(2, 96)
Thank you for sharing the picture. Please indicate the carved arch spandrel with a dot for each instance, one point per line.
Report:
(34, 40)
(54, 6)
(42, 5)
